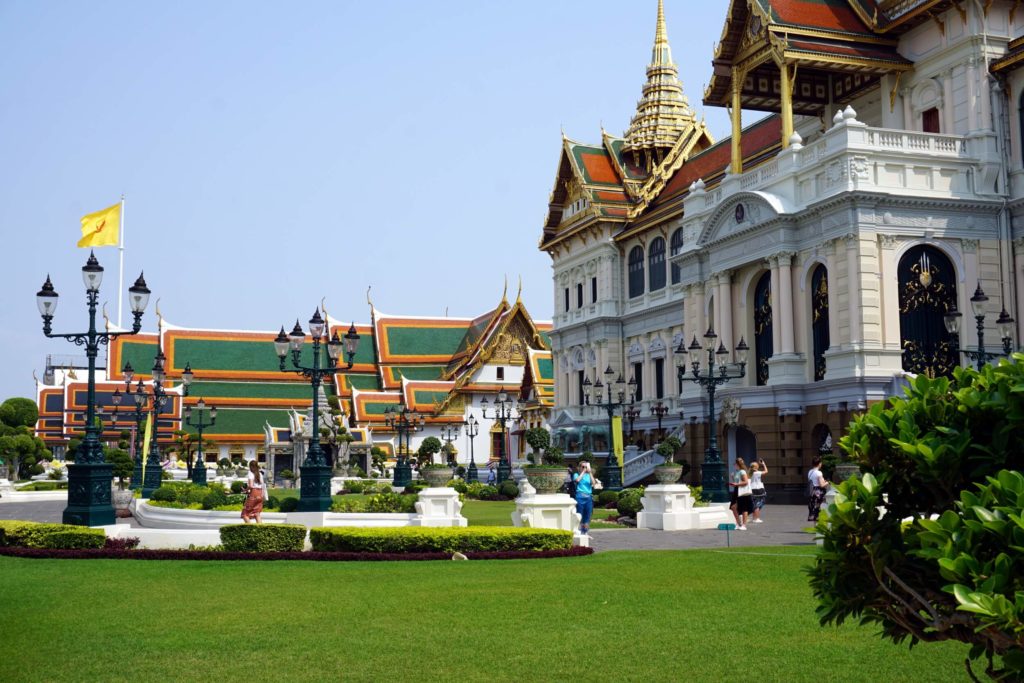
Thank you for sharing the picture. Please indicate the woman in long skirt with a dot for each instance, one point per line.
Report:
(256, 493)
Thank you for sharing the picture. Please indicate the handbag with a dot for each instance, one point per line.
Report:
(744, 490)
(597, 484)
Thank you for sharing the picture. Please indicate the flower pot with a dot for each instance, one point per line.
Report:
(668, 474)
(121, 499)
(545, 480)
(437, 476)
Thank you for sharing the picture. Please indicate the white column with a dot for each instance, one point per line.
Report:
(725, 308)
(832, 262)
(716, 304)
(890, 293)
(785, 261)
(947, 102)
(908, 114)
(972, 95)
(776, 299)
(853, 287)
(700, 324)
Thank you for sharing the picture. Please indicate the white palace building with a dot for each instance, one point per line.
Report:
(833, 236)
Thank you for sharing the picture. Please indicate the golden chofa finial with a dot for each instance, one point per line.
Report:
(504, 292)
(519, 294)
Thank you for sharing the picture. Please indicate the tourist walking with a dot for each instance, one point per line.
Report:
(584, 481)
(758, 495)
(742, 503)
(256, 493)
(817, 485)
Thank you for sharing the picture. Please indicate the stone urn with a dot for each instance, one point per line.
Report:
(668, 474)
(122, 499)
(545, 479)
(437, 476)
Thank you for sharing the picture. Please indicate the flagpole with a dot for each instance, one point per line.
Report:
(120, 272)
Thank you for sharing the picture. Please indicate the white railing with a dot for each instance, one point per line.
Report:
(908, 141)
(639, 467)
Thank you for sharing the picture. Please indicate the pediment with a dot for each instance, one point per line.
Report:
(740, 213)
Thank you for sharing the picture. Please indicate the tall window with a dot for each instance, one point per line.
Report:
(580, 376)
(579, 295)
(636, 272)
(567, 299)
(659, 378)
(927, 287)
(656, 264)
(930, 120)
(593, 290)
(638, 375)
(763, 327)
(676, 246)
(819, 319)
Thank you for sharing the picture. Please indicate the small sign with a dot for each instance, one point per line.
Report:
(727, 527)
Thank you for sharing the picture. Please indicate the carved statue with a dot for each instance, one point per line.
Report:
(730, 411)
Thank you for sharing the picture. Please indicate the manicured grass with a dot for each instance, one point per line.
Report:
(499, 513)
(615, 616)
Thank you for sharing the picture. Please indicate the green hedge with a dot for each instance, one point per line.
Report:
(263, 538)
(37, 535)
(428, 539)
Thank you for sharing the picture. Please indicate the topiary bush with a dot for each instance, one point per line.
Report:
(607, 498)
(391, 502)
(214, 499)
(165, 494)
(38, 535)
(237, 486)
(508, 489)
(263, 538)
(928, 543)
(354, 486)
(427, 539)
(289, 504)
(629, 503)
(460, 485)
(74, 539)
(487, 492)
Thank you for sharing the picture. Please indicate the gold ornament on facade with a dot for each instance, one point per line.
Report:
(924, 290)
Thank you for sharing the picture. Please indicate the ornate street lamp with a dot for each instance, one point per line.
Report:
(199, 468)
(449, 433)
(158, 399)
(717, 372)
(631, 414)
(660, 411)
(594, 393)
(1005, 323)
(315, 489)
(89, 479)
(472, 429)
(404, 422)
(506, 409)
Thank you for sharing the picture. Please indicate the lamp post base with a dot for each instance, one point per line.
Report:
(199, 473)
(89, 495)
(504, 471)
(153, 478)
(472, 474)
(403, 474)
(136, 475)
(315, 488)
(612, 475)
(712, 473)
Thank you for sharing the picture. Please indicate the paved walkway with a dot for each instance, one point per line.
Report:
(37, 511)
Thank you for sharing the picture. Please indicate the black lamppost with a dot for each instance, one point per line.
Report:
(405, 422)
(631, 414)
(505, 409)
(978, 305)
(472, 429)
(659, 411)
(315, 489)
(713, 470)
(199, 468)
(612, 470)
(152, 478)
(89, 479)
(449, 433)
(139, 397)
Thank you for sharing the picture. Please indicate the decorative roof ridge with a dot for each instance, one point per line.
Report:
(673, 162)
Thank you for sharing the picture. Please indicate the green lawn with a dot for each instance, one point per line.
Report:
(499, 513)
(695, 615)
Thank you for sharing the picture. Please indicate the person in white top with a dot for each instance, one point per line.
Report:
(757, 470)
(256, 493)
(817, 486)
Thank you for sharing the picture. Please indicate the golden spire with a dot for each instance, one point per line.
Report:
(663, 114)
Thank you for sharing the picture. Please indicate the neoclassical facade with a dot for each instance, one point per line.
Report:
(832, 236)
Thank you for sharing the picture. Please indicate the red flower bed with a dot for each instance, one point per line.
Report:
(107, 554)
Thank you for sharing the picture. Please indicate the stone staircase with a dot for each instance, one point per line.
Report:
(637, 466)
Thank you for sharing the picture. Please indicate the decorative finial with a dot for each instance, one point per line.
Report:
(661, 35)
(519, 294)
(323, 307)
(106, 318)
(504, 292)
(368, 300)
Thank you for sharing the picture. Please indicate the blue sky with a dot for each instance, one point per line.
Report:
(276, 153)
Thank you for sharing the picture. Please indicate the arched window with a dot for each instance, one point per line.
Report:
(763, 327)
(656, 264)
(927, 286)
(819, 319)
(636, 272)
(676, 246)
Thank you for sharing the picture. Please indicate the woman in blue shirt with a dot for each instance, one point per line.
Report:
(584, 481)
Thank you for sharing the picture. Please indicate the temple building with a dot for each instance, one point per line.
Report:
(834, 235)
(444, 369)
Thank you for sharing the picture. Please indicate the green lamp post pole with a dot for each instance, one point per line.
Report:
(504, 411)
(472, 429)
(152, 478)
(404, 422)
(89, 479)
(595, 393)
(140, 398)
(713, 469)
(978, 308)
(199, 468)
(315, 489)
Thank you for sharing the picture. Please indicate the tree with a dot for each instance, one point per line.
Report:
(20, 450)
(186, 444)
(425, 453)
(928, 542)
(538, 438)
(121, 459)
(19, 412)
(335, 436)
(378, 457)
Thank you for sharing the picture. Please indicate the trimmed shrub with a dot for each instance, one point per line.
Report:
(36, 535)
(509, 489)
(606, 498)
(75, 539)
(166, 494)
(354, 486)
(460, 485)
(237, 499)
(443, 539)
(629, 503)
(237, 486)
(415, 487)
(391, 502)
(214, 499)
(488, 492)
(348, 505)
(272, 503)
(262, 538)
(289, 505)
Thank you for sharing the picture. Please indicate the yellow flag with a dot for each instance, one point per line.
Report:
(617, 438)
(101, 229)
(147, 437)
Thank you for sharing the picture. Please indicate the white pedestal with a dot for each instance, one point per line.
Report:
(670, 507)
(439, 506)
(546, 511)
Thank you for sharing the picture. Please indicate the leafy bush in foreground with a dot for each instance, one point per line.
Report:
(426, 539)
(262, 538)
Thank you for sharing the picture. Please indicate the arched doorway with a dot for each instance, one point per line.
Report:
(763, 345)
(927, 290)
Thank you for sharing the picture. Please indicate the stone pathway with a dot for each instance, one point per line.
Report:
(37, 511)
